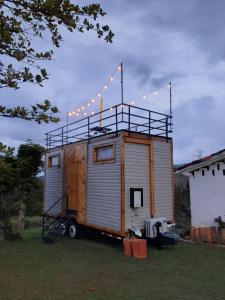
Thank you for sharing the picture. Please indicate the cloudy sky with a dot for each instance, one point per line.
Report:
(158, 41)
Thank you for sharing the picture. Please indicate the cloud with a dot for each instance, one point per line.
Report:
(158, 41)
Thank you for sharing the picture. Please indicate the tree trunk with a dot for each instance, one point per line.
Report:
(7, 227)
(21, 214)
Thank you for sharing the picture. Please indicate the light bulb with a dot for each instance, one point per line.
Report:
(99, 95)
(92, 113)
(156, 93)
(78, 110)
(85, 113)
(73, 112)
(111, 78)
(111, 108)
(144, 97)
(70, 114)
(93, 100)
(88, 104)
(105, 87)
(82, 107)
(132, 102)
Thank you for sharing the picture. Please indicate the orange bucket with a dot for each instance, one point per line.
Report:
(127, 247)
(139, 247)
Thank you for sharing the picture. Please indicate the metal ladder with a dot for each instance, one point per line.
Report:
(51, 223)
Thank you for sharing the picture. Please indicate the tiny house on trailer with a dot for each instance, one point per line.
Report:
(112, 175)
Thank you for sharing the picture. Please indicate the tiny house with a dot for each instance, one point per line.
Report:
(111, 175)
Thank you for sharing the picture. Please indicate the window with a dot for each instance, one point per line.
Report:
(218, 166)
(223, 172)
(104, 154)
(213, 172)
(203, 173)
(54, 161)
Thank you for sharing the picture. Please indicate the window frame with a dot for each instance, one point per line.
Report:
(104, 161)
(50, 161)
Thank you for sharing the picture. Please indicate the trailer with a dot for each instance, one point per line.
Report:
(112, 175)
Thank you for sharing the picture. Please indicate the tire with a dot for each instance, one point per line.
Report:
(73, 230)
(63, 229)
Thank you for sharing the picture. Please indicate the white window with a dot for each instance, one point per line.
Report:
(54, 161)
(104, 153)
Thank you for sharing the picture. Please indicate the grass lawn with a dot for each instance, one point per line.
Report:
(90, 268)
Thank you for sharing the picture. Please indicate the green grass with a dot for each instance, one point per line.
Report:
(90, 268)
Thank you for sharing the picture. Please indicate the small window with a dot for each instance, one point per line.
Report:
(104, 153)
(203, 173)
(213, 172)
(218, 167)
(53, 161)
(223, 172)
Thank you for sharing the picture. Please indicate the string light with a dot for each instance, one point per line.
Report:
(111, 108)
(93, 113)
(155, 93)
(99, 93)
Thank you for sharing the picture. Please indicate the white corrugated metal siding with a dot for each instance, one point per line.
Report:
(163, 180)
(136, 176)
(103, 189)
(53, 183)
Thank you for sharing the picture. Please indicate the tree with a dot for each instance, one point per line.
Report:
(22, 23)
(17, 179)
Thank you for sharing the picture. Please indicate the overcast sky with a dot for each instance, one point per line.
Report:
(158, 41)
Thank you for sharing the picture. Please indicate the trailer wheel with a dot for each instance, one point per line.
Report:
(73, 230)
(62, 229)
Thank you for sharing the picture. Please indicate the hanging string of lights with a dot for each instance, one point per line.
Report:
(81, 110)
(148, 94)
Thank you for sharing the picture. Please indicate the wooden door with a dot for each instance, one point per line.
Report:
(75, 178)
(73, 186)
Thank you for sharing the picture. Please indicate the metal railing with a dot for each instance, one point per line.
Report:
(119, 117)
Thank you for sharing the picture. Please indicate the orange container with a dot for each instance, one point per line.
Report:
(139, 247)
(127, 247)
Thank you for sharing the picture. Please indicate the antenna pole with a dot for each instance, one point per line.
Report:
(121, 81)
(67, 125)
(170, 86)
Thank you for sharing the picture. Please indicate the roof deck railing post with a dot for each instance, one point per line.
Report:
(116, 118)
(166, 128)
(149, 123)
(62, 137)
(129, 119)
(88, 128)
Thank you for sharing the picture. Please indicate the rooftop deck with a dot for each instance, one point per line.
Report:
(116, 118)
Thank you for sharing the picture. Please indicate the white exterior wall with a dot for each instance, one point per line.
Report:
(103, 189)
(136, 160)
(163, 184)
(207, 195)
(53, 183)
